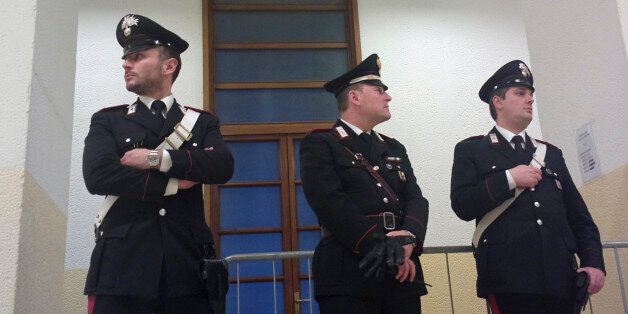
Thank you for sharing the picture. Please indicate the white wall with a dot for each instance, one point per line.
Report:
(622, 8)
(15, 103)
(100, 83)
(435, 57)
(581, 75)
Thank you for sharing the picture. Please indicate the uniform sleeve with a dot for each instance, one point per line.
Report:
(211, 163)
(416, 206)
(582, 226)
(103, 172)
(471, 196)
(335, 210)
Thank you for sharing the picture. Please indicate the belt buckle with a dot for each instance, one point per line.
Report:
(182, 134)
(389, 221)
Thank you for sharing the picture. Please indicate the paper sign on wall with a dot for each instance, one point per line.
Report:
(587, 154)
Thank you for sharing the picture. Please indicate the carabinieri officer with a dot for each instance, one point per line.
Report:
(365, 195)
(531, 219)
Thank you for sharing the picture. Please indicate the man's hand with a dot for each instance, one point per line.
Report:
(407, 270)
(136, 158)
(525, 176)
(596, 279)
(185, 184)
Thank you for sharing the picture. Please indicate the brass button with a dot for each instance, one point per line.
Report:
(532, 189)
(385, 200)
(127, 139)
(376, 168)
(539, 222)
(162, 212)
(537, 204)
(379, 185)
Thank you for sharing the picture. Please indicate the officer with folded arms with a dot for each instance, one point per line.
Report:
(151, 159)
(531, 219)
(372, 214)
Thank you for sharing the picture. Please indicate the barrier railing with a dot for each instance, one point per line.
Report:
(278, 256)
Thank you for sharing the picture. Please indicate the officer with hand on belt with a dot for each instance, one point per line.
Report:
(363, 190)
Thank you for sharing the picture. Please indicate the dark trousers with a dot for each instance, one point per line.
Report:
(101, 304)
(530, 303)
(193, 304)
(352, 304)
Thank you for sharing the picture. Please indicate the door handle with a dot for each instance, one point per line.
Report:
(297, 302)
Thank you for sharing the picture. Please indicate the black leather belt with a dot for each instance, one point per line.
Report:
(388, 220)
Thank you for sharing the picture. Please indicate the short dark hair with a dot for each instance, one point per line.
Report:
(501, 93)
(167, 53)
(343, 97)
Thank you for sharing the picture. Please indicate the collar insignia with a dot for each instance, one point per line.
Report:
(494, 139)
(132, 109)
(341, 131)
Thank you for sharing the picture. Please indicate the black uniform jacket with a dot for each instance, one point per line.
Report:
(143, 228)
(530, 247)
(348, 203)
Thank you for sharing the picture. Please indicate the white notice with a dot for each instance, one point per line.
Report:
(587, 154)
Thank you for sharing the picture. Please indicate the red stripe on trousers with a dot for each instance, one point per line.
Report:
(91, 301)
(492, 302)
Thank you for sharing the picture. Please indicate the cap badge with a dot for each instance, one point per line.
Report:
(524, 69)
(379, 63)
(127, 22)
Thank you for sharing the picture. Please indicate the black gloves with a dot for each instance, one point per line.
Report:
(388, 253)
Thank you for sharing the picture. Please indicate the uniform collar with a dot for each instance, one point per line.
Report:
(148, 101)
(509, 135)
(355, 129)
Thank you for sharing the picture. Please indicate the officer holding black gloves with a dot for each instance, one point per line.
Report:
(363, 190)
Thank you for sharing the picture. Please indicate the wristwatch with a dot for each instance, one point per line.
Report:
(153, 159)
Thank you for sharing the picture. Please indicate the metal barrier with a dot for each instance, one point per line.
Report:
(276, 256)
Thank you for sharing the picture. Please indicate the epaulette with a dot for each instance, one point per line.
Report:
(318, 131)
(385, 137)
(546, 143)
(198, 110)
(477, 137)
(113, 108)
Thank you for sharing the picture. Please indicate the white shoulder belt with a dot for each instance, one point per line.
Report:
(538, 161)
(182, 132)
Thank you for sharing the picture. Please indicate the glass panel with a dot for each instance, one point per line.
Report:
(245, 207)
(279, 1)
(297, 159)
(252, 243)
(255, 297)
(307, 242)
(248, 156)
(305, 213)
(248, 26)
(308, 293)
(274, 105)
(279, 65)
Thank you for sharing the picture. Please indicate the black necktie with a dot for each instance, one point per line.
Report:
(366, 138)
(158, 107)
(518, 141)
